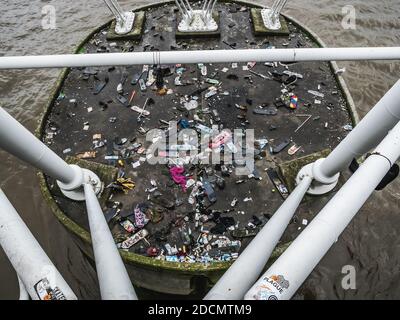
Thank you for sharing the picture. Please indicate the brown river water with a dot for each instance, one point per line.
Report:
(370, 243)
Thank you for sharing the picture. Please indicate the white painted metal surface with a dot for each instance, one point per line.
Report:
(124, 19)
(286, 275)
(17, 140)
(365, 136)
(23, 294)
(126, 25)
(317, 187)
(271, 15)
(34, 268)
(246, 269)
(200, 56)
(200, 20)
(113, 278)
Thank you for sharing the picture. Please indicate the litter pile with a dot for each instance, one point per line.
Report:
(203, 234)
(187, 207)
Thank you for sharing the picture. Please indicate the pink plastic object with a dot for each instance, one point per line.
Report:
(178, 177)
(220, 139)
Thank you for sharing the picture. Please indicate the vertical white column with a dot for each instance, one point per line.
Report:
(124, 19)
(17, 140)
(114, 280)
(115, 9)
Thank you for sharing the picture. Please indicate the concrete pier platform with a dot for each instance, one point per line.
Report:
(76, 115)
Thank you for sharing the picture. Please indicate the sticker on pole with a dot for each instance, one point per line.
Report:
(270, 288)
(45, 291)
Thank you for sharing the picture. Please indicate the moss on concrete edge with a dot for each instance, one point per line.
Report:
(290, 169)
(134, 35)
(260, 29)
(67, 222)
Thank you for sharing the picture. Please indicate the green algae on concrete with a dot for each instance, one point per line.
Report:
(261, 30)
(106, 174)
(290, 169)
(68, 223)
(136, 32)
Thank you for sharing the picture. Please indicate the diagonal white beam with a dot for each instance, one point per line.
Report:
(365, 136)
(303, 255)
(235, 282)
(27, 257)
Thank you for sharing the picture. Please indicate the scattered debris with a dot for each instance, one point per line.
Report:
(280, 147)
(348, 127)
(142, 234)
(177, 175)
(186, 209)
(307, 116)
(276, 180)
(86, 155)
(122, 184)
(293, 149)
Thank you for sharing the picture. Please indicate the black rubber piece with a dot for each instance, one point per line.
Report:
(354, 166)
(392, 174)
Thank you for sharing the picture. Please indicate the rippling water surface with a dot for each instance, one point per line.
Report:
(370, 243)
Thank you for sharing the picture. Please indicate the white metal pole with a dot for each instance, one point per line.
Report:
(203, 7)
(117, 7)
(210, 13)
(31, 263)
(286, 275)
(275, 6)
(113, 278)
(367, 134)
(271, 15)
(124, 20)
(200, 56)
(281, 6)
(188, 5)
(17, 140)
(179, 7)
(117, 13)
(182, 8)
(237, 280)
(23, 294)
